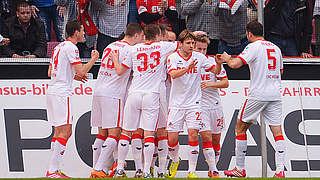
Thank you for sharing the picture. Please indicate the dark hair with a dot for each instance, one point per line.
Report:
(132, 29)
(22, 4)
(163, 29)
(186, 34)
(151, 31)
(255, 28)
(72, 27)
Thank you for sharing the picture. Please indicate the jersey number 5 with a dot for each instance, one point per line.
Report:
(272, 61)
(143, 57)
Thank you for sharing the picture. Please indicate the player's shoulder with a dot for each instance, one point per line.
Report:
(199, 55)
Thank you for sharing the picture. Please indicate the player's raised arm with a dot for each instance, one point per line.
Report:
(234, 63)
(223, 83)
(49, 70)
(82, 69)
(120, 68)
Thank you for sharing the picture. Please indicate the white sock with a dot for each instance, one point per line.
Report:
(148, 153)
(136, 146)
(96, 149)
(59, 149)
(154, 156)
(52, 143)
(193, 155)
(106, 153)
(174, 152)
(115, 154)
(209, 154)
(217, 151)
(123, 149)
(241, 150)
(162, 153)
(280, 153)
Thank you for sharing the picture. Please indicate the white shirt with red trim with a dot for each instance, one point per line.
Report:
(210, 96)
(63, 57)
(265, 62)
(147, 62)
(109, 83)
(185, 90)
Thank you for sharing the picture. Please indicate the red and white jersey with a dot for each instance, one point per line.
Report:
(63, 57)
(185, 90)
(147, 62)
(152, 6)
(210, 96)
(109, 83)
(265, 62)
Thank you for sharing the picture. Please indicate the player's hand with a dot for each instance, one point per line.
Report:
(219, 60)
(192, 64)
(306, 55)
(34, 11)
(94, 54)
(17, 56)
(81, 79)
(224, 57)
(114, 56)
(204, 85)
(210, 1)
(5, 41)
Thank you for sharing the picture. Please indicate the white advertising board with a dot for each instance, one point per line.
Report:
(25, 132)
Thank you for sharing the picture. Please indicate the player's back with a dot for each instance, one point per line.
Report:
(63, 57)
(147, 62)
(265, 63)
(109, 83)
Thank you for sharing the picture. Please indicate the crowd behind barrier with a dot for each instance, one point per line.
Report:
(26, 29)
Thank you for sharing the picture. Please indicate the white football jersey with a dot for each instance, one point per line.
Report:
(109, 83)
(210, 96)
(147, 62)
(185, 90)
(63, 57)
(265, 62)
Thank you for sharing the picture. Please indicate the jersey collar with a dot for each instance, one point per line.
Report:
(183, 57)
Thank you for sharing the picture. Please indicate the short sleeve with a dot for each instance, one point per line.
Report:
(248, 54)
(73, 56)
(222, 74)
(172, 5)
(169, 46)
(171, 63)
(142, 6)
(281, 61)
(126, 61)
(208, 63)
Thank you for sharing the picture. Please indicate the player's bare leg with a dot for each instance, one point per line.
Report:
(241, 150)
(209, 153)
(216, 146)
(61, 134)
(123, 149)
(148, 151)
(137, 147)
(106, 155)
(162, 138)
(173, 144)
(280, 150)
(193, 151)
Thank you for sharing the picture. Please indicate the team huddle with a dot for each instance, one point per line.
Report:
(147, 89)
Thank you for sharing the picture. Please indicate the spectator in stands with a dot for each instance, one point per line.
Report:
(232, 29)
(200, 17)
(111, 22)
(27, 35)
(316, 15)
(179, 25)
(288, 24)
(71, 12)
(48, 12)
(133, 12)
(157, 12)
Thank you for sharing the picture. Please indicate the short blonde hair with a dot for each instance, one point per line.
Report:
(203, 39)
(186, 34)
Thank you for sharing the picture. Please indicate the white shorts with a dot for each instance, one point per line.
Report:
(141, 111)
(212, 120)
(177, 117)
(106, 112)
(59, 110)
(163, 110)
(270, 111)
